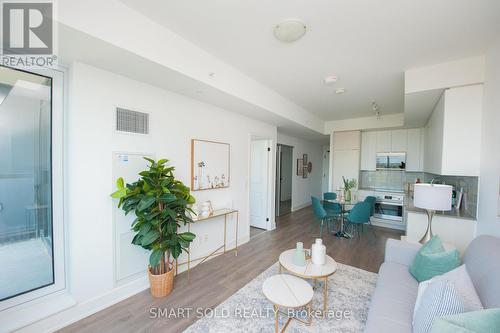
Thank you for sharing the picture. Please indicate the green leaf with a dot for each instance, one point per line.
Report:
(155, 257)
(168, 197)
(171, 228)
(120, 183)
(145, 203)
(187, 236)
(162, 161)
(119, 194)
(191, 200)
(150, 237)
(149, 160)
(176, 251)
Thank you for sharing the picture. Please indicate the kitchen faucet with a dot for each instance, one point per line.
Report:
(437, 181)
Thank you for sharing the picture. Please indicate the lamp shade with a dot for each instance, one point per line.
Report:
(432, 196)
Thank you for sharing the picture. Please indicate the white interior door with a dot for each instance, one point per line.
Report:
(259, 183)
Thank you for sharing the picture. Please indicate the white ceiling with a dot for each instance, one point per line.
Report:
(75, 45)
(367, 43)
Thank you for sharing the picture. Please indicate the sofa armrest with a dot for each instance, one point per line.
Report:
(400, 252)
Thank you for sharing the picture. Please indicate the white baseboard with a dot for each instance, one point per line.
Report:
(304, 205)
(87, 308)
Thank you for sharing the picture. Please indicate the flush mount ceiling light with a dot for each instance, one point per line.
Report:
(340, 90)
(330, 79)
(290, 30)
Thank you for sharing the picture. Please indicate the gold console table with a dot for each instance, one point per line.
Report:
(216, 213)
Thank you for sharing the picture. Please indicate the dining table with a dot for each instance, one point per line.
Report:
(343, 204)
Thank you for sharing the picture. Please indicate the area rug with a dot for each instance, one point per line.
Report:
(248, 310)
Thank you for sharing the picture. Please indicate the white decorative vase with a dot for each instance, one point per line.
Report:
(318, 252)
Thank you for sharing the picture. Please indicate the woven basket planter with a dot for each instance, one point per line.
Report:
(161, 285)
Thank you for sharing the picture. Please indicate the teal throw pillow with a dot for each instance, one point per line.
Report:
(432, 260)
(483, 321)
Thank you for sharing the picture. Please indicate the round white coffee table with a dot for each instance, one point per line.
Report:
(288, 291)
(309, 271)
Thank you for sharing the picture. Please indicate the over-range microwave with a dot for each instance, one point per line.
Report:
(391, 161)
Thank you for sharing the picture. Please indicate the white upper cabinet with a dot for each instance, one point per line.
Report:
(453, 133)
(414, 150)
(399, 140)
(396, 141)
(347, 140)
(368, 150)
(383, 141)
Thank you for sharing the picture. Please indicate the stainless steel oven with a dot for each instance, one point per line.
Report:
(389, 207)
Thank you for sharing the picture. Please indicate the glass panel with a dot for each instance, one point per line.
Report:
(25, 182)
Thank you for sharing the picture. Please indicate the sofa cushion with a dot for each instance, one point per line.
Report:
(392, 302)
(439, 299)
(460, 279)
(483, 266)
(470, 322)
(432, 260)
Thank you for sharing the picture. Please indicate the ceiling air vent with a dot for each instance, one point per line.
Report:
(132, 121)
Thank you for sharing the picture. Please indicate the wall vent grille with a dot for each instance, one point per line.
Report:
(132, 121)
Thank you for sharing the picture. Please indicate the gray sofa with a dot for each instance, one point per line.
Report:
(391, 308)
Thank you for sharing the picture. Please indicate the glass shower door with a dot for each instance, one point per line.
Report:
(26, 235)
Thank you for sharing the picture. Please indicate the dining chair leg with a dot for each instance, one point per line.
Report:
(321, 228)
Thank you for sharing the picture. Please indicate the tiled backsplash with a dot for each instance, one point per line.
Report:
(468, 184)
(388, 179)
(395, 180)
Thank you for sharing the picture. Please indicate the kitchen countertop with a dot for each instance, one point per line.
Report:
(408, 205)
(454, 213)
(381, 190)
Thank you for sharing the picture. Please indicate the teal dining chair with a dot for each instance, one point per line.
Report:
(371, 200)
(332, 208)
(358, 217)
(321, 214)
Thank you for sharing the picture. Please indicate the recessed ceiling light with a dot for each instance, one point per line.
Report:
(340, 90)
(290, 30)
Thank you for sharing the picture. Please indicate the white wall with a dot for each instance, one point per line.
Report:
(91, 139)
(303, 188)
(433, 133)
(488, 219)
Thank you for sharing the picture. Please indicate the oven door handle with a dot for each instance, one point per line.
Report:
(389, 203)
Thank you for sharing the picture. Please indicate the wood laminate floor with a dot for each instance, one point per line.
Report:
(214, 281)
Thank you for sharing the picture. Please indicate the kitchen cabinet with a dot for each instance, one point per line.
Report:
(453, 230)
(399, 140)
(347, 140)
(383, 141)
(346, 156)
(368, 151)
(453, 133)
(414, 150)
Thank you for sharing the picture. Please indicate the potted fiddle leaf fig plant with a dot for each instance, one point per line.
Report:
(160, 204)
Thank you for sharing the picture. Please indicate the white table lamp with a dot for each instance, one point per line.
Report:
(431, 197)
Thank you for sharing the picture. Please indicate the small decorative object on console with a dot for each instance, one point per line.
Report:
(206, 209)
(318, 252)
